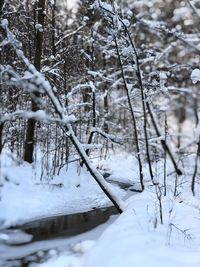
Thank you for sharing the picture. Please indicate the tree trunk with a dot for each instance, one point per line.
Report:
(1, 137)
(1, 7)
(132, 116)
(30, 130)
(1, 124)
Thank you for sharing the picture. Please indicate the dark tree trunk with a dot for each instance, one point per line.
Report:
(30, 131)
(198, 148)
(135, 133)
(1, 7)
(1, 137)
(105, 102)
(1, 124)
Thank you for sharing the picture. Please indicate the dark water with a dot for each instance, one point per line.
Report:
(53, 229)
(68, 225)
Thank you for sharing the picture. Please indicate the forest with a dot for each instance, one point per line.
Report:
(99, 133)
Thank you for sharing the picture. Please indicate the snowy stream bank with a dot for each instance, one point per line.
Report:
(54, 235)
(136, 238)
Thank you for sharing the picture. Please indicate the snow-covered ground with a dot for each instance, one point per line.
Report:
(70, 245)
(137, 237)
(24, 197)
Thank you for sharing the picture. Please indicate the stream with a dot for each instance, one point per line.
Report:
(37, 241)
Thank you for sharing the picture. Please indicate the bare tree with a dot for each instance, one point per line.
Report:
(30, 131)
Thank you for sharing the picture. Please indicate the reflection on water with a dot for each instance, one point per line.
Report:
(68, 225)
(55, 232)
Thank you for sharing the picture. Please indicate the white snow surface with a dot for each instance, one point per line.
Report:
(24, 197)
(62, 261)
(123, 167)
(137, 237)
(195, 75)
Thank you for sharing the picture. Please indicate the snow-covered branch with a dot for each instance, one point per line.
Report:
(41, 82)
(39, 115)
(111, 137)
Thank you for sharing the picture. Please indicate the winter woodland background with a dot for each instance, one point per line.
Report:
(105, 82)
(83, 80)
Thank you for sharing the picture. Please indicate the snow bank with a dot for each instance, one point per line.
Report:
(62, 261)
(25, 197)
(138, 239)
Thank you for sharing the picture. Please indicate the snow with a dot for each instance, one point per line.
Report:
(72, 4)
(122, 167)
(181, 13)
(39, 115)
(39, 27)
(105, 5)
(126, 22)
(15, 237)
(67, 119)
(195, 75)
(62, 261)
(95, 173)
(52, 2)
(137, 237)
(4, 23)
(73, 190)
(83, 246)
(58, 246)
(163, 79)
(40, 80)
